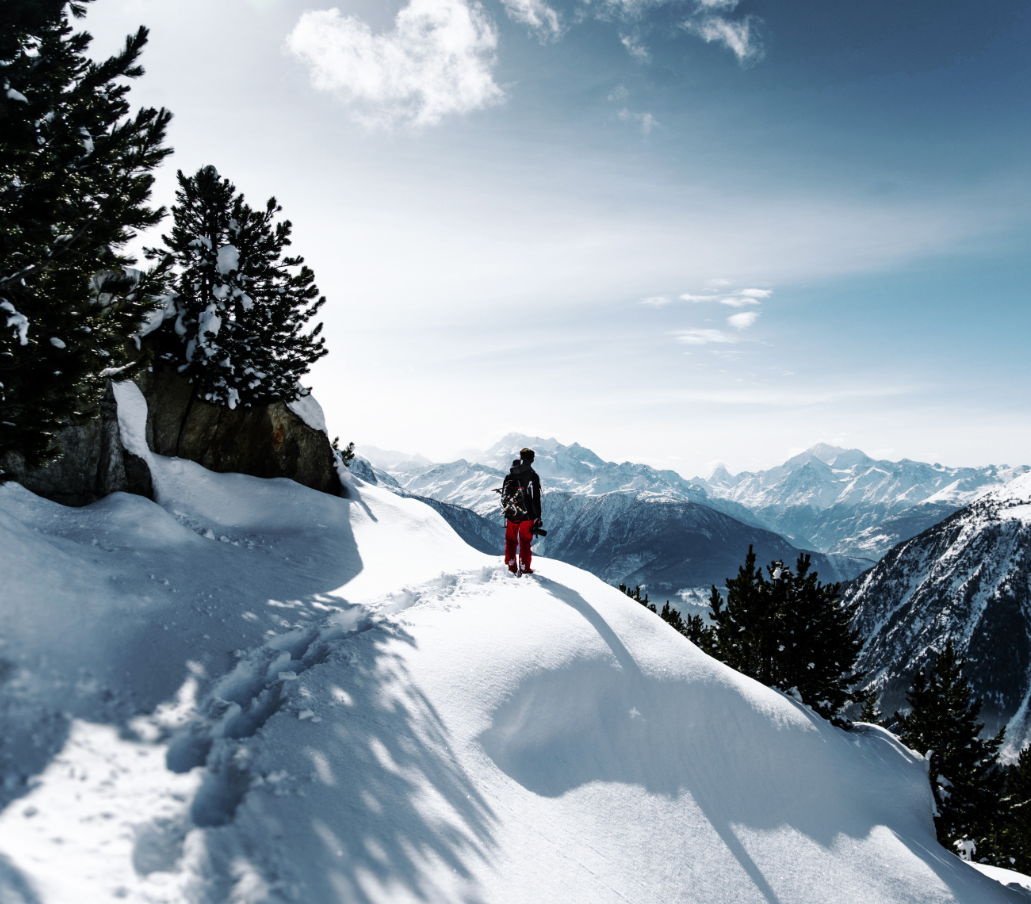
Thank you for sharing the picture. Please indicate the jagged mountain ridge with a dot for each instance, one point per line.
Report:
(842, 501)
(572, 469)
(968, 578)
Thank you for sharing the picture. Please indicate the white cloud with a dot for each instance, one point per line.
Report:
(743, 320)
(702, 337)
(437, 61)
(634, 47)
(646, 121)
(741, 299)
(741, 36)
(656, 300)
(541, 18)
(737, 301)
(719, 283)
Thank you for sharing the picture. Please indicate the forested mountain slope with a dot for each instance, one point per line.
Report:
(968, 578)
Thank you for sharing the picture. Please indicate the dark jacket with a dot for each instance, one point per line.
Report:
(524, 477)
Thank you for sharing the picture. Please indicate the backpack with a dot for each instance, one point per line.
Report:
(513, 501)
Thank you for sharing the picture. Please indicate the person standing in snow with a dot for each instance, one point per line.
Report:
(521, 501)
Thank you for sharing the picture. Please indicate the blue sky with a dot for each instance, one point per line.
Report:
(675, 232)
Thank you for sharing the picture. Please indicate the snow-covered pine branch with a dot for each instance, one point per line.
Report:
(241, 308)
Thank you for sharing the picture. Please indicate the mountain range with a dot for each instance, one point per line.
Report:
(842, 501)
(835, 501)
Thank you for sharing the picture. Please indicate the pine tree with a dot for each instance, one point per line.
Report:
(74, 185)
(788, 631)
(965, 778)
(668, 614)
(1015, 829)
(240, 307)
(635, 594)
(869, 712)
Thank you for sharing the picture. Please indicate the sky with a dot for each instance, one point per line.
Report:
(677, 232)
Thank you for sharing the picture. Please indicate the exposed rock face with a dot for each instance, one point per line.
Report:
(264, 441)
(93, 464)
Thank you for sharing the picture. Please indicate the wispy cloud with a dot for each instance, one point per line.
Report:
(656, 300)
(703, 337)
(635, 48)
(645, 121)
(541, 18)
(739, 299)
(743, 320)
(437, 61)
(740, 36)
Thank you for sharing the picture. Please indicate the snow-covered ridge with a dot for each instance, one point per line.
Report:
(254, 692)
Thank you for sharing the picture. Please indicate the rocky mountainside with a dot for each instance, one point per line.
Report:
(842, 501)
(968, 578)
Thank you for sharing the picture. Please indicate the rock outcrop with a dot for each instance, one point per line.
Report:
(93, 463)
(263, 441)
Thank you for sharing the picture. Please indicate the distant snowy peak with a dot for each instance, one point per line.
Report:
(389, 458)
(821, 452)
(572, 469)
(825, 475)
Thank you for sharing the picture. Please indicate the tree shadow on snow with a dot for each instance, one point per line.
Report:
(147, 601)
(387, 809)
(14, 887)
(335, 805)
(744, 766)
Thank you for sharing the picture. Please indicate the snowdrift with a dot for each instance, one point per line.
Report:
(251, 691)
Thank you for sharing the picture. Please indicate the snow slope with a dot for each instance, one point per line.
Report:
(253, 692)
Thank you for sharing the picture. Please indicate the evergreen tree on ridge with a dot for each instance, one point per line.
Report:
(75, 181)
(239, 308)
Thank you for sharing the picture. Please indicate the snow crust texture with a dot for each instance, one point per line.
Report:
(254, 692)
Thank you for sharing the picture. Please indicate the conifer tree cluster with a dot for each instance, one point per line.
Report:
(239, 307)
(966, 780)
(668, 614)
(788, 631)
(75, 181)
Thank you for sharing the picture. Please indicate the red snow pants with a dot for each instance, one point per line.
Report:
(518, 533)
